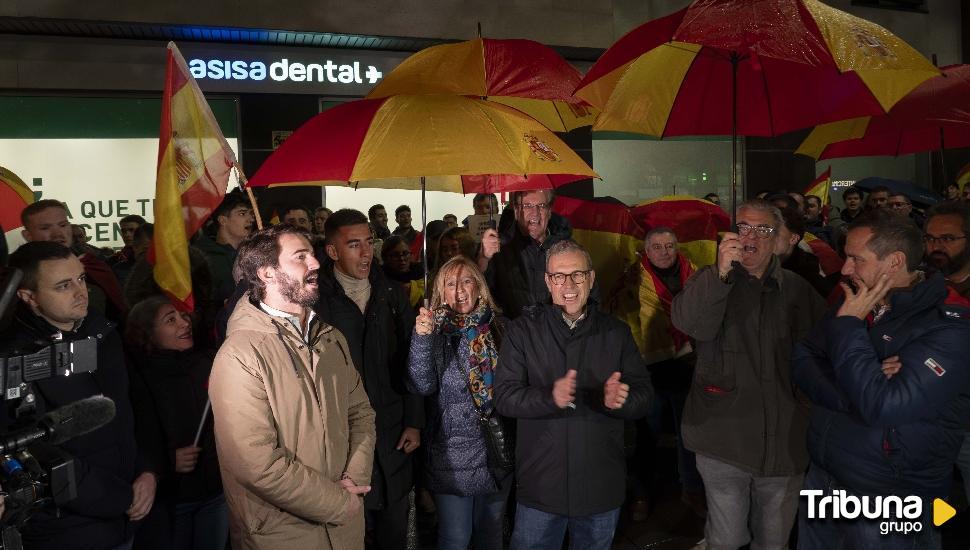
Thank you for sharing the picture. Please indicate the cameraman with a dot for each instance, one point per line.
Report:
(54, 304)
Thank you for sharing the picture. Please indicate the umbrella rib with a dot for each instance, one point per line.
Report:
(771, 116)
(663, 133)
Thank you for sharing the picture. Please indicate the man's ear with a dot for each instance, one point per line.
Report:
(27, 296)
(592, 278)
(266, 274)
(897, 261)
(26, 235)
(332, 252)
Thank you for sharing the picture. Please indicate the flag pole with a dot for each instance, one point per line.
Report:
(249, 193)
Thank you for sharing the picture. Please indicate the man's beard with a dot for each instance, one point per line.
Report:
(297, 292)
(947, 265)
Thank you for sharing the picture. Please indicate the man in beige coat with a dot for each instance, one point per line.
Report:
(294, 428)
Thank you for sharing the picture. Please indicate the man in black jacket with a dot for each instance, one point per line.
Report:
(113, 489)
(571, 375)
(374, 316)
(516, 271)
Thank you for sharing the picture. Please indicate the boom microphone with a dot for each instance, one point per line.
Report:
(62, 424)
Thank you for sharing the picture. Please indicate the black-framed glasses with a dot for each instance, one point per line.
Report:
(760, 231)
(668, 246)
(578, 277)
(942, 239)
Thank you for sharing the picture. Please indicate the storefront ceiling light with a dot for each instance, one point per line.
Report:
(235, 35)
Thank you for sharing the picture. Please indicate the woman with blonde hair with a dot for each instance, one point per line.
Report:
(454, 352)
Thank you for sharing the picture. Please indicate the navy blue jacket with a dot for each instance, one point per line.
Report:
(881, 436)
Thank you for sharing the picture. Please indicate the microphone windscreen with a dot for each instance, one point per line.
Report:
(78, 418)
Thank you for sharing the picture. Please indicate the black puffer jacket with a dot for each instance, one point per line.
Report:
(379, 342)
(173, 385)
(569, 461)
(105, 460)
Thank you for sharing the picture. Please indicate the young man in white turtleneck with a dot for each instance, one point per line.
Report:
(374, 315)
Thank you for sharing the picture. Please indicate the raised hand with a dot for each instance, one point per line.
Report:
(615, 392)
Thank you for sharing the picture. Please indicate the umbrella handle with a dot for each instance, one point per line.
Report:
(424, 238)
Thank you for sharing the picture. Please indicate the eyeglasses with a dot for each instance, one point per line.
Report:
(761, 231)
(578, 277)
(942, 239)
(658, 247)
(541, 206)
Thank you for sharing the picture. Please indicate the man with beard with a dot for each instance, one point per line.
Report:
(294, 429)
(945, 237)
(887, 374)
(373, 313)
(742, 417)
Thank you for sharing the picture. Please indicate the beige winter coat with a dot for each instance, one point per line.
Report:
(289, 420)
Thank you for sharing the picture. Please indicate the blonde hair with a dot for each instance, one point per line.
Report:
(453, 266)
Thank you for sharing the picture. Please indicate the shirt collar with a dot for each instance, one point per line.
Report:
(293, 319)
(572, 324)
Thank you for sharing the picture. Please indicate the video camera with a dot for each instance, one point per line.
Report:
(34, 472)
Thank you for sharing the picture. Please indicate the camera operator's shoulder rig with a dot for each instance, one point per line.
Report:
(55, 357)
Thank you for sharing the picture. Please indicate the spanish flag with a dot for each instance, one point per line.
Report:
(963, 177)
(613, 234)
(696, 222)
(194, 162)
(820, 188)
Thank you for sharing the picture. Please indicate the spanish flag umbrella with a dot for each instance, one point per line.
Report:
(523, 74)
(755, 68)
(426, 142)
(14, 197)
(933, 117)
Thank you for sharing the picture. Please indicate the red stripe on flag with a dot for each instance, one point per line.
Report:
(309, 141)
(598, 216)
(690, 219)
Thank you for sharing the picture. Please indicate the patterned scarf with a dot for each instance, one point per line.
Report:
(482, 353)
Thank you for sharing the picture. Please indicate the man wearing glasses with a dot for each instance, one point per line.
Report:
(742, 418)
(516, 271)
(887, 375)
(571, 375)
(946, 243)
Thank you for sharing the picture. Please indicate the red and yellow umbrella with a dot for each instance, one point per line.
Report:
(431, 141)
(934, 116)
(523, 74)
(14, 197)
(793, 64)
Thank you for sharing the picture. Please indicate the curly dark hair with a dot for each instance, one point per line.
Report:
(262, 249)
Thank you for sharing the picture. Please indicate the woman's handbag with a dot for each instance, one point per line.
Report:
(498, 441)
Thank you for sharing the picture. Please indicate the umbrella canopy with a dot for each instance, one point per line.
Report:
(14, 197)
(934, 116)
(524, 74)
(793, 64)
(919, 195)
(398, 139)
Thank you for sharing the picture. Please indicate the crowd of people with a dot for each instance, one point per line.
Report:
(319, 382)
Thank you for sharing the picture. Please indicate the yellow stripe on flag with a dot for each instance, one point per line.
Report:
(643, 105)
(890, 67)
(824, 135)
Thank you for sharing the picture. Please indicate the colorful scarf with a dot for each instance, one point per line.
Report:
(482, 352)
